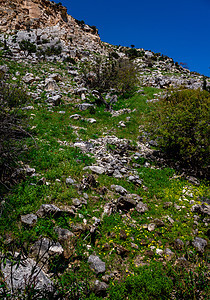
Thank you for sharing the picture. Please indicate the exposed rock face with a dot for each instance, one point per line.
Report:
(45, 19)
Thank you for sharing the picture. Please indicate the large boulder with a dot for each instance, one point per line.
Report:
(96, 264)
(23, 275)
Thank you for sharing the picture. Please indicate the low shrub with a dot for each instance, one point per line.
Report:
(11, 130)
(106, 73)
(180, 124)
(27, 46)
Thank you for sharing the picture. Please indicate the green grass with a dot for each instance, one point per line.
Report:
(55, 160)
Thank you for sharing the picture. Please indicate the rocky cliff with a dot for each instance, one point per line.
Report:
(46, 19)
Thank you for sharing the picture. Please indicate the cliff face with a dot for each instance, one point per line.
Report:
(25, 15)
(20, 14)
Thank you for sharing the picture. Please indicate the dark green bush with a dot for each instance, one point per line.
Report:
(180, 124)
(134, 53)
(27, 46)
(70, 59)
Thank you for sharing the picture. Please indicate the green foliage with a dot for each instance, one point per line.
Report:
(27, 46)
(70, 60)
(80, 23)
(134, 53)
(107, 73)
(149, 283)
(11, 131)
(180, 123)
(191, 284)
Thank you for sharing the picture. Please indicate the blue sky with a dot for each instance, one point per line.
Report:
(179, 29)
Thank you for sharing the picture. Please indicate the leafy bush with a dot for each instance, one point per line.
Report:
(27, 46)
(107, 73)
(180, 124)
(133, 53)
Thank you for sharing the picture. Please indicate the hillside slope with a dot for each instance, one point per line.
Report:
(91, 210)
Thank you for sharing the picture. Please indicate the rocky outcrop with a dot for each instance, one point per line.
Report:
(38, 21)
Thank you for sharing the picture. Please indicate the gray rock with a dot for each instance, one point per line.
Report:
(151, 227)
(29, 219)
(202, 209)
(117, 174)
(96, 264)
(51, 85)
(91, 120)
(4, 69)
(97, 169)
(84, 106)
(29, 171)
(75, 117)
(69, 181)
(169, 254)
(28, 78)
(47, 209)
(64, 234)
(30, 107)
(46, 247)
(193, 180)
(25, 275)
(199, 244)
(80, 91)
(100, 288)
(178, 244)
(141, 207)
(126, 202)
(55, 100)
(119, 189)
(76, 202)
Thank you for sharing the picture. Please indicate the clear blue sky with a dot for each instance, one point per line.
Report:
(177, 28)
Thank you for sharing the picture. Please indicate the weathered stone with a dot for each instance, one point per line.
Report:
(64, 234)
(91, 120)
(141, 207)
(51, 85)
(151, 227)
(97, 169)
(29, 219)
(75, 117)
(178, 244)
(159, 223)
(85, 106)
(126, 202)
(119, 189)
(96, 264)
(47, 209)
(100, 288)
(55, 100)
(199, 244)
(46, 247)
(169, 254)
(69, 181)
(76, 202)
(29, 78)
(26, 274)
(202, 209)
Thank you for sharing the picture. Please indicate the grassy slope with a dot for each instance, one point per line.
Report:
(55, 161)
